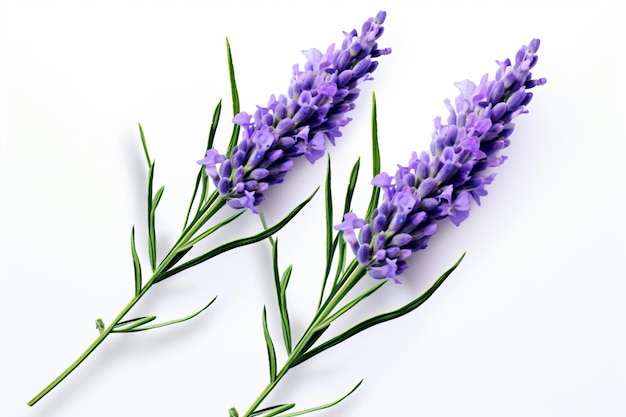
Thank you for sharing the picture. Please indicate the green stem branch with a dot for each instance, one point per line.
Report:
(308, 337)
(163, 267)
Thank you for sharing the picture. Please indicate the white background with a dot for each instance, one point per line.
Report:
(531, 324)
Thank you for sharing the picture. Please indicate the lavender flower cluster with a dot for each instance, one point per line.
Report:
(441, 184)
(299, 123)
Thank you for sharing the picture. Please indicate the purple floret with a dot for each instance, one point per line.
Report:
(442, 183)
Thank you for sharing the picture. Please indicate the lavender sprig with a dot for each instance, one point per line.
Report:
(431, 188)
(299, 123)
(441, 184)
(291, 126)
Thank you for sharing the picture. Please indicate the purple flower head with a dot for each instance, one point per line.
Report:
(299, 123)
(442, 184)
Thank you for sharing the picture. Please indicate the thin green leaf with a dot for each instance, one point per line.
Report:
(341, 258)
(352, 303)
(151, 229)
(322, 407)
(332, 244)
(136, 263)
(330, 247)
(265, 410)
(210, 140)
(280, 409)
(275, 268)
(170, 322)
(202, 176)
(381, 318)
(281, 283)
(214, 228)
(375, 160)
(232, 412)
(130, 325)
(205, 187)
(153, 202)
(214, 123)
(157, 198)
(144, 144)
(100, 325)
(271, 352)
(238, 242)
(354, 175)
(126, 322)
(284, 311)
(199, 178)
(235, 98)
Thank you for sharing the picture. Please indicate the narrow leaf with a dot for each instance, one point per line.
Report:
(235, 98)
(118, 328)
(210, 140)
(238, 242)
(126, 322)
(151, 230)
(321, 407)
(215, 228)
(199, 178)
(341, 258)
(381, 318)
(202, 176)
(144, 144)
(157, 198)
(375, 160)
(330, 247)
(280, 409)
(280, 283)
(354, 175)
(266, 409)
(284, 312)
(176, 321)
(152, 226)
(271, 352)
(214, 122)
(352, 303)
(136, 263)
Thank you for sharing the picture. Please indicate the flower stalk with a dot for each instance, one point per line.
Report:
(313, 332)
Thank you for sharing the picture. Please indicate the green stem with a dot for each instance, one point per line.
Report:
(164, 266)
(321, 315)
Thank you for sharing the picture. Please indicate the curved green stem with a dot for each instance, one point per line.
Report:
(310, 335)
(212, 208)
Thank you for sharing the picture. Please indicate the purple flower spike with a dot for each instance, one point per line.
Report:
(441, 185)
(299, 123)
